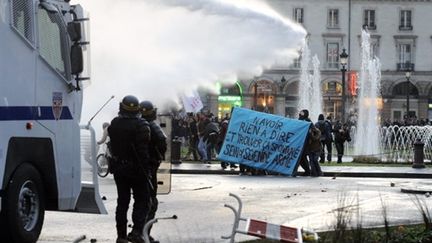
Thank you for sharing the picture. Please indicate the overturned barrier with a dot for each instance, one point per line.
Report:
(266, 230)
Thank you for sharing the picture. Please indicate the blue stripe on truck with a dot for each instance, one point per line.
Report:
(16, 113)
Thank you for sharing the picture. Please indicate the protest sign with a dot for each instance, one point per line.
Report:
(192, 102)
(264, 141)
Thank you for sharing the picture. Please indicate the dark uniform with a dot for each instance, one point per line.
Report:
(157, 149)
(130, 137)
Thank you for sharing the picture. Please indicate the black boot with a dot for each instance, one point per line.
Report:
(153, 240)
(122, 240)
(135, 237)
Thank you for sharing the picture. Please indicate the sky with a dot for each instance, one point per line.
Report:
(157, 49)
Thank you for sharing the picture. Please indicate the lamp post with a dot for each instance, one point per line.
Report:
(408, 89)
(343, 61)
(255, 96)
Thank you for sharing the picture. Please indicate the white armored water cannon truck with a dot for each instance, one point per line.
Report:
(41, 69)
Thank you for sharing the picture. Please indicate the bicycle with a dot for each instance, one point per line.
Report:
(102, 163)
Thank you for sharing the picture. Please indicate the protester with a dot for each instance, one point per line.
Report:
(105, 137)
(157, 150)
(222, 133)
(130, 138)
(329, 144)
(304, 163)
(314, 149)
(226, 117)
(341, 134)
(326, 138)
(193, 138)
(202, 146)
(210, 137)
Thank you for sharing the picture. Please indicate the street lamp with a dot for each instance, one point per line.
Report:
(408, 89)
(343, 61)
(255, 96)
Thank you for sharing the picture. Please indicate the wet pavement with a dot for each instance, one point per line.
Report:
(345, 171)
(312, 202)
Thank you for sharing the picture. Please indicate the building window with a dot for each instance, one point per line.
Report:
(402, 88)
(297, 63)
(369, 19)
(405, 57)
(374, 49)
(405, 20)
(332, 88)
(333, 18)
(298, 15)
(333, 55)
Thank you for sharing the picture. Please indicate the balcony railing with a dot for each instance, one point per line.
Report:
(370, 26)
(332, 65)
(405, 66)
(405, 27)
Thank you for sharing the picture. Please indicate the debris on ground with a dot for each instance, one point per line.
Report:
(392, 184)
(202, 188)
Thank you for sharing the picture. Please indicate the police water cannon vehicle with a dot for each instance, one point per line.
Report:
(42, 68)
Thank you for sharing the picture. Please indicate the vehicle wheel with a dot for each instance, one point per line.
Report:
(102, 165)
(24, 207)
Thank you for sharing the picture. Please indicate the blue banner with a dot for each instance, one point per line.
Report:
(264, 141)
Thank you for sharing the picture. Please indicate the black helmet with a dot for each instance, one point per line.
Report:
(129, 105)
(148, 111)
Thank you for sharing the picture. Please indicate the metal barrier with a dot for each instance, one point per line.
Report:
(266, 230)
(89, 200)
(150, 223)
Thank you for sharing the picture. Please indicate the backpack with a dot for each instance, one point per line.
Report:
(313, 134)
(321, 126)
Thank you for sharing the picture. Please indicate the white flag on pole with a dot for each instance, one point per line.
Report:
(192, 102)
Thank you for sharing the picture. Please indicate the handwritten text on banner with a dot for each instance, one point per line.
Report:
(264, 141)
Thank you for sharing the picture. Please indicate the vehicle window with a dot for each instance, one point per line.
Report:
(22, 18)
(53, 42)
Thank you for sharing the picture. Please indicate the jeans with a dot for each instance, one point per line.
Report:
(340, 151)
(313, 160)
(202, 149)
(328, 146)
(304, 163)
(193, 147)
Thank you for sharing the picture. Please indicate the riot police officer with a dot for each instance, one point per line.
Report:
(130, 137)
(157, 149)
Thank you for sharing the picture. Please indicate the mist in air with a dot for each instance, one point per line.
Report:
(156, 49)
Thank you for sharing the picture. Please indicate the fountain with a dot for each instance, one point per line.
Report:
(310, 95)
(367, 137)
(392, 143)
(397, 142)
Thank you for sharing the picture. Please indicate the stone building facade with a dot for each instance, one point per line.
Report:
(401, 37)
